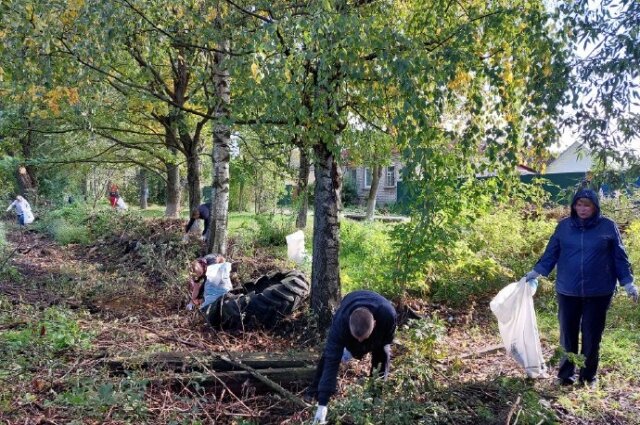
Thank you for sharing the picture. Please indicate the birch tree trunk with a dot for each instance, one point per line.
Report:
(221, 155)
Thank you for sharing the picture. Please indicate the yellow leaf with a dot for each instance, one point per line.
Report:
(72, 95)
(254, 71)
(212, 15)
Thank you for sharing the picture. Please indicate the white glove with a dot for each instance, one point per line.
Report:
(346, 355)
(533, 284)
(190, 306)
(531, 275)
(203, 238)
(185, 238)
(632, 291)
(321, 415)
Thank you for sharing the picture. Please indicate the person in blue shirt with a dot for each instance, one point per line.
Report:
(588, 252)
(364, 323)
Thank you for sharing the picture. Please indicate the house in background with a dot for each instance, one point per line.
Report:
(568, 169)
(387, 189)
(575, 159)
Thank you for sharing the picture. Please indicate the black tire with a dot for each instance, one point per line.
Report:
(269, 299)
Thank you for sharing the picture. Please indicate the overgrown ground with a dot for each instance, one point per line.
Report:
(76, 321)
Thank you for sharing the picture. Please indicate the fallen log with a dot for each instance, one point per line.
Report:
(239, 381)
(198, 362)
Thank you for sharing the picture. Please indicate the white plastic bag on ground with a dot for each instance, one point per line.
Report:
(121, 205)
(219, 274)
(295, 246)
(28, 217)
(513, 306)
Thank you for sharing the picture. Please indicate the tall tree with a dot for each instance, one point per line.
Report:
(605, 96)
(341, 56)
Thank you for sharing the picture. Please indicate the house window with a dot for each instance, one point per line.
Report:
(368, 177)
(390, 177)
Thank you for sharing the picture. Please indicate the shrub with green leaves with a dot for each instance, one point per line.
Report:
(273, 229)
(621, 207)
(497, 249)
(366, 260)
(95, 398)
(78, 223)
(67, 233)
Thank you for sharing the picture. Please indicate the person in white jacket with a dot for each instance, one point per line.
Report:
(23, 210)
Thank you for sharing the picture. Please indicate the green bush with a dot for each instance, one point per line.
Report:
(497, 248)
(67, 233)
(273, 229)
(78, 223)
(508, 238)
(366, 260)
(349, 192)
(632, 244)
(621, 208)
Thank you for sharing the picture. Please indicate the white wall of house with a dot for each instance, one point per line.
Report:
(573, 160)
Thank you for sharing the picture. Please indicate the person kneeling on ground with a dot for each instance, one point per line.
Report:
(210, 280)
(364, 323)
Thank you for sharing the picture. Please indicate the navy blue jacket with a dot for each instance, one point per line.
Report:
(205, 215)
(589, 254)
(340, 337)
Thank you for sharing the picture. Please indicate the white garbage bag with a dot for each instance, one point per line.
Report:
(295, 246)
(513, 307)
(27, 216)
(219, 274)
(121, 205)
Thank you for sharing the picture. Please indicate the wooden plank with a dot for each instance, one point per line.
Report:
(240, 381)
(189, 362)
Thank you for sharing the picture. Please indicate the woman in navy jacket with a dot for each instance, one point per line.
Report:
(588, 251)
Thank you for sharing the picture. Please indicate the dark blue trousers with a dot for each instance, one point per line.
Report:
(586, 315)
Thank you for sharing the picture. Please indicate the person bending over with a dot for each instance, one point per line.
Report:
(203, 213)
(23, 210)
(365, 322)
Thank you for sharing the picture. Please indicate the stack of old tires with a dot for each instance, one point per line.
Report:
(262, 302)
